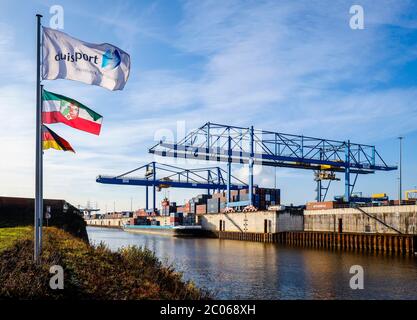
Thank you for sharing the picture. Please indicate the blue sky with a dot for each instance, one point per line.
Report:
(287, 66)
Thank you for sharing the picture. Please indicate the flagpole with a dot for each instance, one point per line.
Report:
(41, 212)
(38, 161)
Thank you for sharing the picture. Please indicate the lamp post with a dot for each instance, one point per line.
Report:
(400, 173)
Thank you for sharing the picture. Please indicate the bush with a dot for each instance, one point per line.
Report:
(89, 272)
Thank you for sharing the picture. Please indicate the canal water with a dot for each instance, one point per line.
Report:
(248, 270)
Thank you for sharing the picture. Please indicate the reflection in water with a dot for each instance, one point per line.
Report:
(249, 270)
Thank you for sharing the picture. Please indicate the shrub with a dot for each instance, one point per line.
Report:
(89, 272)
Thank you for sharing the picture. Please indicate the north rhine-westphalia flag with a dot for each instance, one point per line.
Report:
(58, 108)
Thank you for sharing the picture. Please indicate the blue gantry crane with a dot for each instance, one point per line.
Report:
(159, 175)
(232, 144)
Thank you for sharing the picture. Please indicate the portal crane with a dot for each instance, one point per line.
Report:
(159, 176)
(246, 145)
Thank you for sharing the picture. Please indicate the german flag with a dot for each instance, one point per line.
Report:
(51, 140)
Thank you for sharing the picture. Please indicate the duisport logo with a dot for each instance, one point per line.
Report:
(111, 59)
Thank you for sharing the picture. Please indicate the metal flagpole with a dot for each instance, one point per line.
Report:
(41, 212)
(38, 162)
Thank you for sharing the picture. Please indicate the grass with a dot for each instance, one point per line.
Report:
(8, 236)
(89, 272)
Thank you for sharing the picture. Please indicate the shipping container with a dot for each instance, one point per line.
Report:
(155, 222)
(403, 202)
(223, 204)
(201, 199)
(175, 220)
(244, 197)
(187, 207)
(324, 205)
(218, 195)
(379, 195)
(213, 205)
(192, 208)
(201, 209)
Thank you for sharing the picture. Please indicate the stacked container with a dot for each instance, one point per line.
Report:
(186, 208)
(213, 205)
(201, 209)
(262, 199)
(199, 200)
(167, 207)
(138, 221)
(192, 206)
(155, 222)
(176, 218)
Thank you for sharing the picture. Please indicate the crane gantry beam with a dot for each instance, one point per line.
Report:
(246, 145)
(159, 175)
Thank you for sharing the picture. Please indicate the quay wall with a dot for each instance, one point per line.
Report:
(388, 244)
(256, 222)
(316, 228)
(402, 218)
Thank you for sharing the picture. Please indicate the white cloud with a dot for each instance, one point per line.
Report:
(283, 66)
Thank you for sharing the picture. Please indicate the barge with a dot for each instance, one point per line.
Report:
(169, 230)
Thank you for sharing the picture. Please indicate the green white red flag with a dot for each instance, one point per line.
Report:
(58, 108)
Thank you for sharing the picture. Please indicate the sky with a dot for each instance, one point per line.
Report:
(287, 66)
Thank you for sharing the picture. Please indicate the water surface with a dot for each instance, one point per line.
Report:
(250, 270)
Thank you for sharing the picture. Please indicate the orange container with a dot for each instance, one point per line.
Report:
(201, 209)
(320, 205)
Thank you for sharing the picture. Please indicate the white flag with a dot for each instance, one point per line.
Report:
(99, 64)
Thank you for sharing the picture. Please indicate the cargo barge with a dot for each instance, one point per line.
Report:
(174, 231)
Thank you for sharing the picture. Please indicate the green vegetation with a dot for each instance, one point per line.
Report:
(89, 272)
(8, 236)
